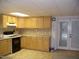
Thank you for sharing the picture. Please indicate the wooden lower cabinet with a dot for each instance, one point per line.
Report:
(46, 43)
(26, 42)
(43, 43)
(36, 43)
(5, 47)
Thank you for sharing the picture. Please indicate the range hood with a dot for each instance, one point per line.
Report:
(11, 24)
(11, 27)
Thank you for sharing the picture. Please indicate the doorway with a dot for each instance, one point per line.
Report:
(68, 34)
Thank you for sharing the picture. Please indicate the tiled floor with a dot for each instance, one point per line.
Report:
(62, 54)
(31, 54)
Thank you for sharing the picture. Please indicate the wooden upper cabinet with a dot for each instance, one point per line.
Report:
(6, 19)
(20, 22)
(30, 23)
(12, 20)
(34, 22)
(47, 22)
(15, 21)
(38, 22)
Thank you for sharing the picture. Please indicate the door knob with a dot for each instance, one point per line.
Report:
(70, 35)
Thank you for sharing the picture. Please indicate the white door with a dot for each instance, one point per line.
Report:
(64, 31)
(74, 34)
(68, 34)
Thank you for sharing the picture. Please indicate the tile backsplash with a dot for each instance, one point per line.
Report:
(34, 32)
(30, 32)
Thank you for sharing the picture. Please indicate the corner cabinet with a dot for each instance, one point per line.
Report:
(5, 19)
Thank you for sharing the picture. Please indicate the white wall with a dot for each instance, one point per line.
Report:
(54, 34)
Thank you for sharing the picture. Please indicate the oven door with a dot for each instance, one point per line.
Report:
(16, 44)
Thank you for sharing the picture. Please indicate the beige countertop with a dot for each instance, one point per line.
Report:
(15, 36)
(9, 37)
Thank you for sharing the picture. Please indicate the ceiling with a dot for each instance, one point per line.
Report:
(41, 7)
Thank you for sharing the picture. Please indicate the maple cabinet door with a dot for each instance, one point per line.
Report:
(26, 42)
(39, 22)
(30, 22)
(5, 46)
(20, 22)
(46, 44)
(47, 22)
(5, 20)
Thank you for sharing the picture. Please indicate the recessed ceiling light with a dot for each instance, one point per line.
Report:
(19, 14)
